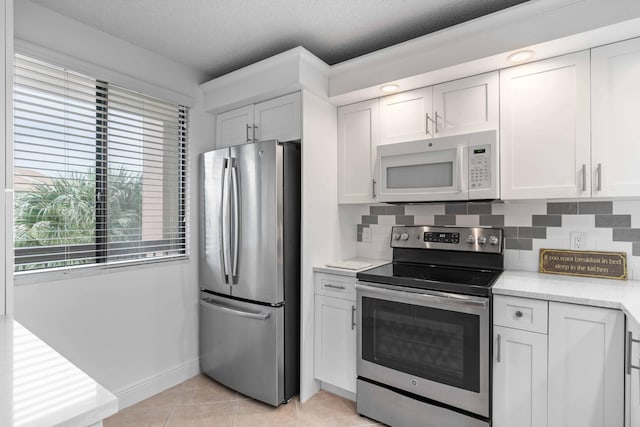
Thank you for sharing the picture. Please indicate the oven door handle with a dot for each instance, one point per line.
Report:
(421, 294)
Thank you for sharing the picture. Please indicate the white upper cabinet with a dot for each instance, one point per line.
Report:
(452, 108)
(466, 105)
(278, 118)
(406, 116)
(615, 109)
(357, 142)
(586, 372)
(234, 127)
(545, 129)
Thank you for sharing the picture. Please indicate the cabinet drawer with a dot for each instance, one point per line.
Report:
(520, 313)
(335, 285)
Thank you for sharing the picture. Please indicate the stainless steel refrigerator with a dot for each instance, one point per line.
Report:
(250, 268)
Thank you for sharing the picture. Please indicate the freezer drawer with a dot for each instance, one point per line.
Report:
(242, 346)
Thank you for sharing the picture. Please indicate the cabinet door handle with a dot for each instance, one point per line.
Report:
(427, 124)
(254, 133)
(329, 285)
(498, 349)
(630, 342)
(599, 172)
(247, 132)
(373, 187)
(353, 317)
(436, 122)
(584, 177)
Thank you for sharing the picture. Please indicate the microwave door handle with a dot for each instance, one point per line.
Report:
(460, 161)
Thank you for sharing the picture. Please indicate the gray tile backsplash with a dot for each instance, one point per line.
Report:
(444, 220)
(455, 208)
(546, 220)
(595, 208)
(528, 226)
(519, 244)
(555, 208)
(479, 208)
(626, 235)
(613, 221)
(492, 220)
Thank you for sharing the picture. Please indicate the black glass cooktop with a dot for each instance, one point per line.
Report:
(460, 280)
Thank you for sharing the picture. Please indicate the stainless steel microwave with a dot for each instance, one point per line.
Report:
(459, 167)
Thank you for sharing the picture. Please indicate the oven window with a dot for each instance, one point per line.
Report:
(428, 175)
(435, 344)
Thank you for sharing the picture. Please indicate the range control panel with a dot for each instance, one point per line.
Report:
(470, 239)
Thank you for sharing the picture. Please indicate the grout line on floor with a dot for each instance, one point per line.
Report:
(166, 420)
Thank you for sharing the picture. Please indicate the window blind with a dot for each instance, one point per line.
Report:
(100, 171)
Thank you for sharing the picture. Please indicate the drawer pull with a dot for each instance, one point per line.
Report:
(353, 317)
(329, 285)
(518, 314)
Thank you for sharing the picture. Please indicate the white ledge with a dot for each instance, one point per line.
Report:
(39, 387)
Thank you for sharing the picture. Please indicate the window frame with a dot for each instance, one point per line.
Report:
(105, 251)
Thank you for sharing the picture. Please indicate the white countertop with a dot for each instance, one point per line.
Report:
(370, 263)
(39, 387)
(619, 294)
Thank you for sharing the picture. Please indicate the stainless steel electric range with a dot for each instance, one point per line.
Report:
(424, 328)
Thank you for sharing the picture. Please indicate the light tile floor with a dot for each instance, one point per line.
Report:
(201, 401)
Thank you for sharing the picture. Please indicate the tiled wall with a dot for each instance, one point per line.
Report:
(528, 226)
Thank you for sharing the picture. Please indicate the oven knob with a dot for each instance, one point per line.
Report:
(471, 239)
(404, 236)
(482, 240)
(396, 236)
(493, 240)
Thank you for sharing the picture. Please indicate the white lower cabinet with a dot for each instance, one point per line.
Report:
(572, 377)
(519, 378)
(335, 338)
(632, 401)
(586, 366)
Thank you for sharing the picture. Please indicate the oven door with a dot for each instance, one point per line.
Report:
(434, 345)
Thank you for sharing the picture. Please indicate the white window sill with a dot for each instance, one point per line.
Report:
(65, 273)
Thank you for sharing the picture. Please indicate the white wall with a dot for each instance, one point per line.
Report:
(320, 222)
(6, 42)
(134, 330)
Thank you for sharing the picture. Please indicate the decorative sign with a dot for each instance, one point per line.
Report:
(607, 265)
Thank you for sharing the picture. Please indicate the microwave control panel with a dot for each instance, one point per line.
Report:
(479, 167)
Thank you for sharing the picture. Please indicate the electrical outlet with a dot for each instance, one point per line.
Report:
(366, 235)
(578, 240)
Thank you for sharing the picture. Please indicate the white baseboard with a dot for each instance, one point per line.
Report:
(338, 391)
(154, 385)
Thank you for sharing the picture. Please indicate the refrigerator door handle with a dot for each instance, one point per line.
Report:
(261, 315)
(226, 228)
(236, 219)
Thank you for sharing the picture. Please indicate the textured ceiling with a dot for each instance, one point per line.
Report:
(219, 36)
